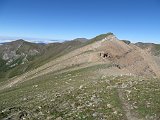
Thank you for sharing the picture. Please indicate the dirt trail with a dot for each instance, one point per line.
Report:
(126, 107)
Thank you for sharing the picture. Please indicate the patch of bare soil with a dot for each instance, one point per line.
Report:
(126, 107)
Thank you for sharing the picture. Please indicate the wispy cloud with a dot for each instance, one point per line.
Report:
(35, 40)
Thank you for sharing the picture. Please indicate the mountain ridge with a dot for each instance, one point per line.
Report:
(101, 78)
(126, 58)
(39, 49)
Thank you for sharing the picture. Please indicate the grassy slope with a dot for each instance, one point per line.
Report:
(47, 53)
(81, 94)
(155, 48)
(97, 38)
(71, 95)
(54, 51)
(5, 70)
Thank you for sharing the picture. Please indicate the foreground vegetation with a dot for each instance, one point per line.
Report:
(82, 94)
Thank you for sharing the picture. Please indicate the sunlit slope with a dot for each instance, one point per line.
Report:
(124, 59)
(82, 94)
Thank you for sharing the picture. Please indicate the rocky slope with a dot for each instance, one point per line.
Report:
(123, 59)
(154, 49)
(17, 53)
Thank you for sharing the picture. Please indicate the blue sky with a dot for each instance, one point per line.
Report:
(135, 20)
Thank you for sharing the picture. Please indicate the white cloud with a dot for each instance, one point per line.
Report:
(35, 40)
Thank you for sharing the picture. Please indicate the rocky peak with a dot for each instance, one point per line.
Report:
(103, 37)
(110, 38)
